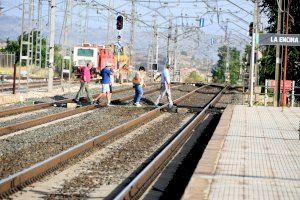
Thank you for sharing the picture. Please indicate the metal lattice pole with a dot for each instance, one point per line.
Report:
(38, 40)
(169, 40)
(132, 33)
(51, 44)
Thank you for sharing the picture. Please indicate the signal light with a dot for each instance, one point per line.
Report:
(250, 29)
(119, 22)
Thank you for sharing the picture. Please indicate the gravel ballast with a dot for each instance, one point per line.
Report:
(29, 147)
(118, 161)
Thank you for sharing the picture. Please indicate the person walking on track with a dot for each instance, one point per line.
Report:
(138, 84)
(85, 79)
(106, 90)
(165, 87)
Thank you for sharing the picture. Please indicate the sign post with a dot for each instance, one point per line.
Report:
(284, 40)
(279, 39)
(252, 68)
(201, 22)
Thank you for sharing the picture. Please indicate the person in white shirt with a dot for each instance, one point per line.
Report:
(165, 87)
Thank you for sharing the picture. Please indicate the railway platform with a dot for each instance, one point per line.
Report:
(254, 153)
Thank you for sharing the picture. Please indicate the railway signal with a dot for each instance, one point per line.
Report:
(120, 22)
(251, 29)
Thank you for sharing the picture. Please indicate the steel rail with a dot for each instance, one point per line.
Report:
(9, 86)
(24, 109)
(149, 173)
(49, 118)
(23, 177)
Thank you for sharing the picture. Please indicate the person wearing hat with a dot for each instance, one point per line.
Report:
(165, 87)
(105, 74)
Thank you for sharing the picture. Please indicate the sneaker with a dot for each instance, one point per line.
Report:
(97, 103)
(171, 106)
(108, 104)
(137, 104)
(91, 103)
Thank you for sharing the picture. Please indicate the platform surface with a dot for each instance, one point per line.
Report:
(253, 154)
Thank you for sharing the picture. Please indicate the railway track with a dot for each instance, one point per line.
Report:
(142, 180)
(60, 115)
(23, 176)
(37, 144)
(23, 109)
(9, 86)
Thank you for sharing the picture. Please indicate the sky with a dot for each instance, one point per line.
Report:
(184, 14)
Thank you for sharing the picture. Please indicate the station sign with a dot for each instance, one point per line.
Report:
(279, 39)
(288, 84)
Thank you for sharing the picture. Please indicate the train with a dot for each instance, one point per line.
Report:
(100, 56)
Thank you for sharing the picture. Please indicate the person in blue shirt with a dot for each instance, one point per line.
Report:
(105, 74)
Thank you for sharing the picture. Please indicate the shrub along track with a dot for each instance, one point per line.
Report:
(137, 145)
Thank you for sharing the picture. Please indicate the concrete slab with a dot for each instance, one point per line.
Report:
(256, 156)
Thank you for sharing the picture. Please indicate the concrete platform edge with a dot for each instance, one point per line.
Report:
(199, 185)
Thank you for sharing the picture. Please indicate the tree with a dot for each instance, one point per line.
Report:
(234, 65)
(14, 47)
(267, 71)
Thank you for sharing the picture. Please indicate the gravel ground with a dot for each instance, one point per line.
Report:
(122, 159)
(26, 149)
(201, 97)
(11, 120)
(175, 93)
(22, 117)
(232, 97)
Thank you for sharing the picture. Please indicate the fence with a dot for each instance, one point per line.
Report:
(7, 60)
(264, 94)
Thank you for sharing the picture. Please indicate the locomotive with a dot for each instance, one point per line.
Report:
(99, 55)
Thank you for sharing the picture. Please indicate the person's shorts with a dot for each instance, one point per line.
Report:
(105, 88)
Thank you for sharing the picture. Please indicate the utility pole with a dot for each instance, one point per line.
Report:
(169, 40)
(86, 23)
(252, 64)
(227, 53)
(27, 36)
(38, 40)
(257, 28)
(276, 99)
(65, 35)
(66, 27)
(52, 5)
(152, 47)
(285, 55)
(156, 40)
(132, 33)
(175, 54)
